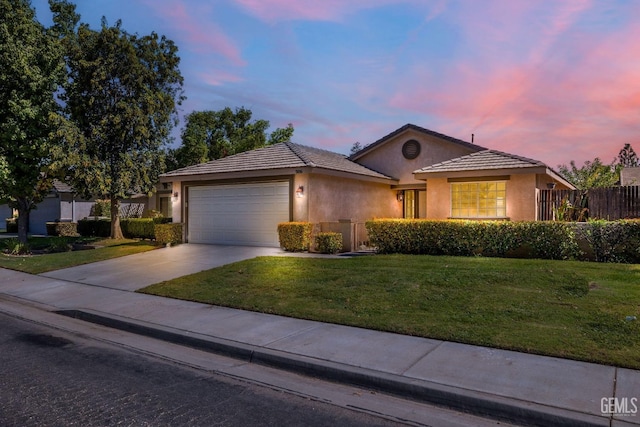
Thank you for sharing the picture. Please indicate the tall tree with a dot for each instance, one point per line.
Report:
(627, 157)
(355, 148)
(210, 135)
(593, 174)
(31, 72)
(122, 99)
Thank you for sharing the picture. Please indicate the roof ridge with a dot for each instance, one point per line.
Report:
(295, 149)
(398, 131)
(517, 157)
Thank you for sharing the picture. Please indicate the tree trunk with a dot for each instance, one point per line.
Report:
(116, 231)
(24, 209)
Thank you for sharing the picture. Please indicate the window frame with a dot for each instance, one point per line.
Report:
(478, 208)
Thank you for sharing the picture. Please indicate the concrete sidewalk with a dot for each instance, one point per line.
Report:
(513, 386)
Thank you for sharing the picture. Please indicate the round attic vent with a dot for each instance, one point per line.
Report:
(411, 149)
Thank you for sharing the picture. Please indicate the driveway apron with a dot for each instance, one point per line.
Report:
(134, 272)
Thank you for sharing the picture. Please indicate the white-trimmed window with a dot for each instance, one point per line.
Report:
(486, 199)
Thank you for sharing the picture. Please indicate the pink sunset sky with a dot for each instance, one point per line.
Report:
(552, 80)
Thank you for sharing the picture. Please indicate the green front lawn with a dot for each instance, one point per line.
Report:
(36, 264)
(568, 309)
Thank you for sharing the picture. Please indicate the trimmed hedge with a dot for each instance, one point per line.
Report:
(168, 233)
(94, 227)
(62, 229)
(138, 228)
(328, 242)
(295, 236)
(549, 240)
(611, 241)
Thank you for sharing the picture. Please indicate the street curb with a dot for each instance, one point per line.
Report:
(469, 401)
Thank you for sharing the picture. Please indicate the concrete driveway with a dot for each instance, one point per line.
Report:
(137, 271)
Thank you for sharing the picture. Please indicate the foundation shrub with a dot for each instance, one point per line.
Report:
(328, 242)
(68, 229)
(295, 236)
(94, 227)
(168, 234)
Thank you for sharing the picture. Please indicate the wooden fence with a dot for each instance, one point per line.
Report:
(599, 203)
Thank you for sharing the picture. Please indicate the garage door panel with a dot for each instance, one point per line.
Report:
(238, 214)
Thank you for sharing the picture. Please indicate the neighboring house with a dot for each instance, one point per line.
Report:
(630, 176)
(411, 173)
(62, 204)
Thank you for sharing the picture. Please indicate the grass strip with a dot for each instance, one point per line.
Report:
(107, 249)
(575, 310)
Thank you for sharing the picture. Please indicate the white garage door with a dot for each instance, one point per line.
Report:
(238, 214)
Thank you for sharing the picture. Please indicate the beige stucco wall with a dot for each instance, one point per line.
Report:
(388, 158)
(333, 198)
(521, 198)
(176, 202)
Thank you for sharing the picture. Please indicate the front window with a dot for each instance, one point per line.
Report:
(479, 199)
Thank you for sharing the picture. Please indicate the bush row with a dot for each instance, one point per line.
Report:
(547, 240)
(610, 241)
(132, 228)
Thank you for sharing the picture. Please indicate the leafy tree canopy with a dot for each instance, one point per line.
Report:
(210, 135)
(121, 102)
(593, 174)
(32, 71)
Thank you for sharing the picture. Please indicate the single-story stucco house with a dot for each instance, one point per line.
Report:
(64, 205)
(411, 173)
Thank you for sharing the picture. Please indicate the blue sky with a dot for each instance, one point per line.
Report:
(554, 80)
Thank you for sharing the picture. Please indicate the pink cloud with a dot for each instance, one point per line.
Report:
(313, 10)
(203, 37)
(565, 92)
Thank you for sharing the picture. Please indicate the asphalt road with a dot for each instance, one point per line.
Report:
(52, 378)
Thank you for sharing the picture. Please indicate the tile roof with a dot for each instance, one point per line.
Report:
(61, 187)
(284, 155)
(483, 160)
(417, 129)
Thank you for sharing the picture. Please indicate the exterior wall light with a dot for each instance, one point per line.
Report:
(300, 191)
(400, 195)
(175, 195)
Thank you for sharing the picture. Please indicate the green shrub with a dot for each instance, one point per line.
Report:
(94, 227)
(613, 241)
(12, 225)
(101, 208)
(549, 240)
(15, 247)
(295, 236)
(60, 244)
(138, 228)
(328, 242)
(170, 234)
(62, 229)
